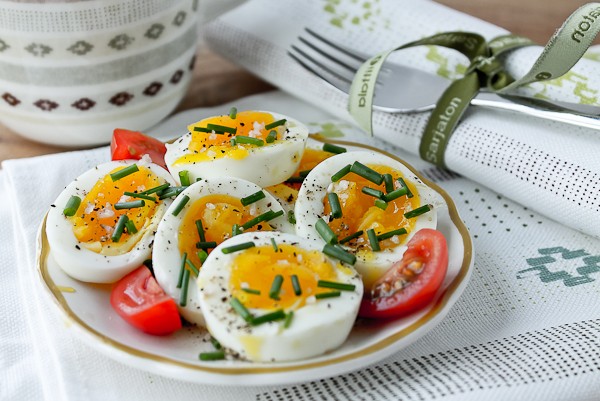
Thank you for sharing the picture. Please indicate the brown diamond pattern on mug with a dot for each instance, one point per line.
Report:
(80, 48)
(46, 105)
(3, 45)
(121, 98)
(38, 49)
(179, 18)
(120, 42)
(155, 31)
(84, 104)
(10, 99)
(176, 77)
(153, 89)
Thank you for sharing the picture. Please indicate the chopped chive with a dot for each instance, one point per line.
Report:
(184, 178)
(373, 240)
(251, 291)
(130, 226)
(72, 206)
(250, 199)
(200, 229)
(248, 140)
(372, 192)
(275, 124)
(293, 180)
(351, 237)
(276, 287)
(274, 244)
(202, 255)
(124, 172)
(215, 343)
(233, 113)
(296, 285)
(266, 216)
(241, 309)
(181, 269)
(184, 200)
(236, 230)
(198, 179)
(288, 319)
(304, 173)
(193, 267)
(418, 211)
(390, 234)
(395, 194)
(409, 194)
(272, 137)
(184, 288)
(202, 129)
(212, 356)
(206, 244)
(232, 142)
(340, 174)
(331, 148)
(140, 195)
(155, 189)
(334, 203)
(170, 192)
(336, 286)
(221, 128)
(339, 254)
(238, 247)
(116, 235)
(269, 317)
(291, 217)
(331, 294)
(130, 205)
(367, 173)
(325, 232)
(389, 182)
(380, 203)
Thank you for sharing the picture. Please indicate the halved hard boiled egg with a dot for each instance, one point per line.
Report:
(100, 228)
(261, 147)
(380, 205)
(205, 214)
(270, 296)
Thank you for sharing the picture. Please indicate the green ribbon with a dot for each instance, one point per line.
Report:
(562, 52)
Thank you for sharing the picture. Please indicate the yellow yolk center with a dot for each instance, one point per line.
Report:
(96, 218)
(212, 145)
(218, 214)
(360, 213)
(256, 268)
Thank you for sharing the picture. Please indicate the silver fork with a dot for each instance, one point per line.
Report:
(402, 89)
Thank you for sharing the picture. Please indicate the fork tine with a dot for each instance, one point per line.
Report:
(361, 58)
(320, 69)
(327, 55)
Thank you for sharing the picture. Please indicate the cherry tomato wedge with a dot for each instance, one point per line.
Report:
(127, 144)
(141, 302)
(411, 283)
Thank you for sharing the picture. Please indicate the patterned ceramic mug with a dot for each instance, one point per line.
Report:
(71, 72)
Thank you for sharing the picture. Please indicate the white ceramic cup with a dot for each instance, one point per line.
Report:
(71, 72)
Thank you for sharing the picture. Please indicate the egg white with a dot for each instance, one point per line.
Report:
(78, 261)
(315, 328)
(166, 258)
(266, 165)
(309, 207)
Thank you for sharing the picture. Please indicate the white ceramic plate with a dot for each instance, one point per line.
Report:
(87, 307)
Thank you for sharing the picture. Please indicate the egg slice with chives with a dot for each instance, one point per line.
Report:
(270, 296)
(102, 224)
(261, 147)
(205, 214)
(369, 204)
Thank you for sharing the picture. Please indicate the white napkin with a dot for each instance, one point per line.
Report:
(510, 336)
(550, 167)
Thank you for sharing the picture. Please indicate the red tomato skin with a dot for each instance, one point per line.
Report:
(126, 144)
(429, 246)
(140, 301)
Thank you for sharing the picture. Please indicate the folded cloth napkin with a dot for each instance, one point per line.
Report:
(549, 167)
(527, 326)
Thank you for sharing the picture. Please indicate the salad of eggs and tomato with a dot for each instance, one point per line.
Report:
(248, 228)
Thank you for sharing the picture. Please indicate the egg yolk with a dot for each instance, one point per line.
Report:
(218, 214)
(360, 213)
(96, 218)
(310, 159)
(256, 268)
(214, 145)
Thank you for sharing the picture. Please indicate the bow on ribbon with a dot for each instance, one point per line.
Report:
(486, 70)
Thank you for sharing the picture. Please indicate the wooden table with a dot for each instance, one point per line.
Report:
(218, 81)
